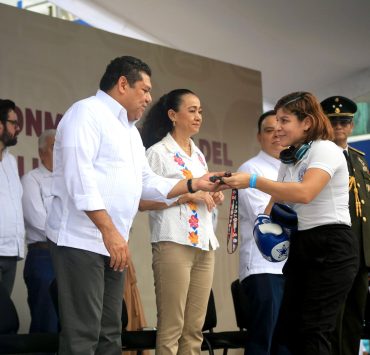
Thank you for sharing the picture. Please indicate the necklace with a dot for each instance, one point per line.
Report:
(187, 149)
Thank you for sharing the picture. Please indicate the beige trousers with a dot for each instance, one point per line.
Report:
(183, 279)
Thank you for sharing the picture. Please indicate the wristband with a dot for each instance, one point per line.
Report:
(190, 187)
(253, 181)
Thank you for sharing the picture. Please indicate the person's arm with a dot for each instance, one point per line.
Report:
(314, 180)
(269, 206)
(34, 211)
(198, 197)
(253, 201)
(113, 240)
(202, 183)
(156, 186)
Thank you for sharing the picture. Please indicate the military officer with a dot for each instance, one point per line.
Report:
(346, 339)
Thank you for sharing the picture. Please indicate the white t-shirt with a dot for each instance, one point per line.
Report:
(251, 203)
(330, 206)
(190, 223)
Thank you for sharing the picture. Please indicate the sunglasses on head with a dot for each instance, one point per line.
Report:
(341, 121)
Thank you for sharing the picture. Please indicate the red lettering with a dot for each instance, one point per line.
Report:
(216, 150)
(205, 148)
(24, 166)
(19, 117)
(20, 161)
(49, 124)
(227, 161)
(33, 122)
(35, 163)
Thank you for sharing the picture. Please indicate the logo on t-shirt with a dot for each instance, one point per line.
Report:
(301, 172)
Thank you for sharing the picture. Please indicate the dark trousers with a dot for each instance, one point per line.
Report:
(8, 269)
(38, 273)
(320, 270)
(90, 302)
(264, 293)
(347, 335)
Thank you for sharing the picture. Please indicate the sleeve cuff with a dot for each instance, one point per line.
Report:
(89, 203)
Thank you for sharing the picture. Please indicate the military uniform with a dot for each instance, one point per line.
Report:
(346, 338)
(350, 321)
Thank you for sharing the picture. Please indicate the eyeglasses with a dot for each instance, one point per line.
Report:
(15, 123)
(343, 122)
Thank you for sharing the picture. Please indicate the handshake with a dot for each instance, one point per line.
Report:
(272, 233)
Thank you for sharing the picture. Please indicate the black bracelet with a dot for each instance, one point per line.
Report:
(190, 187)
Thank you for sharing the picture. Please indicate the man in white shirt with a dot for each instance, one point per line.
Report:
(261, 280)
(11, 216)
(100, 173)
(38, 269)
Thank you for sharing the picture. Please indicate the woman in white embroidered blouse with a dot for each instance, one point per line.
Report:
(182, 236)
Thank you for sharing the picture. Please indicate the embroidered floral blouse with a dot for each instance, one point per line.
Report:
(189, 223)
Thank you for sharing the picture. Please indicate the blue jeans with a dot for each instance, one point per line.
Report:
(38, 274)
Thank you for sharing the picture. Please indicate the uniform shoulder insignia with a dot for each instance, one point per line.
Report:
(356, 150)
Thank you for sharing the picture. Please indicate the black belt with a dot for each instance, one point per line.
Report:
(38, 245)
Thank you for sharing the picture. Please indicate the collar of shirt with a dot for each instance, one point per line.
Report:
(5, 152)
(117, 109)
(173, 146)
(270, 159)
(43, 169)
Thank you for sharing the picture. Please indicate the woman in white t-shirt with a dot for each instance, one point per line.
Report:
(323, 256)
(182, 236)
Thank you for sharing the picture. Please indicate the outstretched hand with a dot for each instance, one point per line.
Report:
(205, 182)
(237, 180)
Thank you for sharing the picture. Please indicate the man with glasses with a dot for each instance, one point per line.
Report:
(11, 216)
(346, 340)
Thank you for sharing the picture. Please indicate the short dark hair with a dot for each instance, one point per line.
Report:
(129, 67)
(5, 106)
(304, 104)
(157, 123)
(262, 118)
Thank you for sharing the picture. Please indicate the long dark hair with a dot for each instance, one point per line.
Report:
(157, 123)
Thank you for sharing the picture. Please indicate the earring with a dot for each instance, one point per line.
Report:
(174, 123)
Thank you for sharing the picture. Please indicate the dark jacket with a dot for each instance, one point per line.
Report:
(360, 224)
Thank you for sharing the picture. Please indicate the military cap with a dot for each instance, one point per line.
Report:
(339, 106)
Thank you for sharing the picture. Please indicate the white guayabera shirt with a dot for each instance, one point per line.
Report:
(252, 202)
(11, 216)
(36, 199)
(99, 164)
